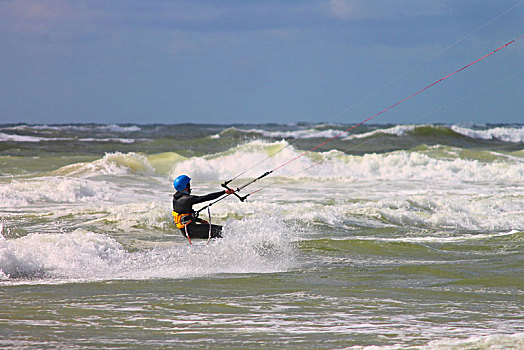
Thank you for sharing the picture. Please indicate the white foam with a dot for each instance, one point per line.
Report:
(111, 164)
(232, 162)
(412, 166)
(437, 238)
(400, 165)
(506, 134)
(153, 215)
(298, 134)
(118, 128)
(22, 138)
(457, 216)
(110, 127)
(398, 130)
(77, 255)
(121, 140)
(54, 190)
(248, 247)
(493, 341)
(479, 342)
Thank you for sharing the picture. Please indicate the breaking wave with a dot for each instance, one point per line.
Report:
(247, 247)
(408, 165)
(112, 163)
(512, 134)
(507, 134)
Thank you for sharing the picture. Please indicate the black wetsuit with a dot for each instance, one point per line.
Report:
(183, 204)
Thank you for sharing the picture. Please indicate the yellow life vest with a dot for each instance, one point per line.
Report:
(182, 220)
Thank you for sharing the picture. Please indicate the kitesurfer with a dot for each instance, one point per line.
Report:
(184, 215)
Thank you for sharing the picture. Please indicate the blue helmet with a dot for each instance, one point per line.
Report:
(181, 182)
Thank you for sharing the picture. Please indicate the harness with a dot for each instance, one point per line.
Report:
(182, 220)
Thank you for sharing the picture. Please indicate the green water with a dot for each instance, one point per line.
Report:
(339, 306)
(407, 238)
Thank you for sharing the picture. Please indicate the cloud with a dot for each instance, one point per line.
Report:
(35, 17)
(342, 9)
(376, 9)
(191, 12)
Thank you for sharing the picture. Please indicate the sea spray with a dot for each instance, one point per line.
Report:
(75, 255)
(249, 246)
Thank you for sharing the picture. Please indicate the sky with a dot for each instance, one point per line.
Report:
(238, 61)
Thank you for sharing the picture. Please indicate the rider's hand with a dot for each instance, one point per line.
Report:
(229, 191)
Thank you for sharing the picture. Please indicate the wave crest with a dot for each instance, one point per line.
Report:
(111, 164)
(424, 164)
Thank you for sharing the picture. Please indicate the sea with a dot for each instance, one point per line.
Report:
(407, 236)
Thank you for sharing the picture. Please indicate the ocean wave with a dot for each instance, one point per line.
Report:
(398, 165)
(435, 215)
(320, 131)
(506, 134)
(77, 255)
(248, 247)
(150, 215)
(111, 164)
(447, 212)
(227, 164)
(296, 134)
(416, 166)
(444, 132)
(121, 140)
(54, 190)
(118, 128)
(205, 138)
(253, 158)
(24, 138)
(502, 133)
(481, 342)
(440, 239)
(493, 341)
(76, 127)
(398, 130)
